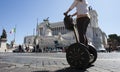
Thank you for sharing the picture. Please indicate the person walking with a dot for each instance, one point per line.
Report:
(83, 18)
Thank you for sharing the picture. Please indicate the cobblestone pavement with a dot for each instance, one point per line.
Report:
(54, 62)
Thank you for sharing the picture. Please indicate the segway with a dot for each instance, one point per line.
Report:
(78, 55)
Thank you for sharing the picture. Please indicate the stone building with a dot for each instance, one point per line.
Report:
(47, 33)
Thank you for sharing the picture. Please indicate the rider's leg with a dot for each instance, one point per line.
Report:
(82, 24)
(80, 30)
(85, 25)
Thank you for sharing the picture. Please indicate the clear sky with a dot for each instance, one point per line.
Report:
(23, 15)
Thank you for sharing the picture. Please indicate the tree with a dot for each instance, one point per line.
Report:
(113, 41)
(119, 40)
(113, 36)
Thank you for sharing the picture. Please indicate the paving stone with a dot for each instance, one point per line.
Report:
(106, 62)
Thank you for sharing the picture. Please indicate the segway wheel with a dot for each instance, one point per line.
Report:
(93, 54)
(77, 56)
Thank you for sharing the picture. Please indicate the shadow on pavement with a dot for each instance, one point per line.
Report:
(65, 70)
(41, 71)
(68, 69)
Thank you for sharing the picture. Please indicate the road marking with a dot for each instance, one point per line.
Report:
(118, 59)
(39, 57)
(48, 57)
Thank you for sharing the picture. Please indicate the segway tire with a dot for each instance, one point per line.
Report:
(93, 54)
(77, 56)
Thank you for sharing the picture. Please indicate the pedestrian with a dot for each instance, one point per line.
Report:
(82, 19)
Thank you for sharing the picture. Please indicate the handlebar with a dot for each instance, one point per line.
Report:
(65, 14)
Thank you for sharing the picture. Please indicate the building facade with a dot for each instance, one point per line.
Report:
(47, 33)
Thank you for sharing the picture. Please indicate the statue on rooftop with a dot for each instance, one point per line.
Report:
(47, 23)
